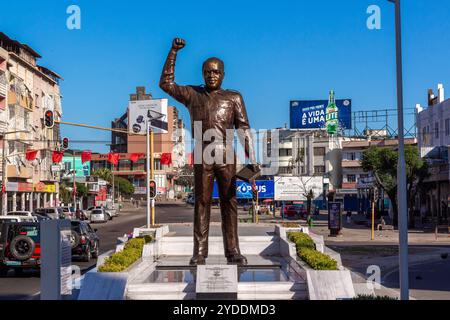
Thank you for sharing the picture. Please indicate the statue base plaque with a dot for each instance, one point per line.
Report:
(216, 282)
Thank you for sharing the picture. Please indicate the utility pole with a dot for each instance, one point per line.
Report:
(401, 167)
(148, 173)
(74, 182)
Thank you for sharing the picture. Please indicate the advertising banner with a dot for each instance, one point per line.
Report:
(334, 216)
(310, 114)
(296, 188)
(153, 110)
(244, 189)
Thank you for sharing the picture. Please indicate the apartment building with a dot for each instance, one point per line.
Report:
(433, 123)
(354, 188)
(171, 143)
(26, 90)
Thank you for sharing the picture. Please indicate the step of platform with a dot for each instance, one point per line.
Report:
(250, 245)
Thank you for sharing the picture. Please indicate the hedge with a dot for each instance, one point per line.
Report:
(306, 250)
(317, 260)
(131, 252)
(301, 240)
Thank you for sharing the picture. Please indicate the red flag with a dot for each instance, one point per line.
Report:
(166, 158)
(190, 159)
(3, 188)
(57, 156)
(86, 156)
(113, 158)
(135, 156)
(30, 155)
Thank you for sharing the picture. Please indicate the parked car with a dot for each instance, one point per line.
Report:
(69, 212)
(107, 213)
(295, 211)
(247, 206)
(19, 213)
(19, 246)
(11, 218)
(190, 199)
(52, 213)
(84, 240)
(98, 215)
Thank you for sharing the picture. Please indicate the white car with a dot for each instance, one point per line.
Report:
(17, 218)
(98, 215)
(108, 214)
(20, 213)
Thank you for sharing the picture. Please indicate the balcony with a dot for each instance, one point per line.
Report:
(13, 172)
(3, 84)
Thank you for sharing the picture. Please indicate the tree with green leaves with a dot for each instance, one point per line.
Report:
(382, 163)
(185, 176)
(123, 185)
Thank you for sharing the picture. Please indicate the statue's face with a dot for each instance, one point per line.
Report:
(213, 75)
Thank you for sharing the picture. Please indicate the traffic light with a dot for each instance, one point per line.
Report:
(152, 185)
(65, 143)
(49, 122)
(254, 191)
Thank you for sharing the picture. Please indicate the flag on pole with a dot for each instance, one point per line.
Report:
(86, 156)
(113, 158)
(30, 155)
(3, 188)
(166, 158)
(57, 156)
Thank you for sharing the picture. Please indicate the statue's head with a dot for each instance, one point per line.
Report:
(213, 73)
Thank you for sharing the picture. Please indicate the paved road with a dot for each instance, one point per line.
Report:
(27, 286)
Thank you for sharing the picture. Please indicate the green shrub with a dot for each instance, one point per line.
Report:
(317, 260)
(135, 243)
(131, 252)
(301, 240)
(290, 225)
(372, 297)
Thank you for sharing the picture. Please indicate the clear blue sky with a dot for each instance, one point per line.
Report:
(274, 52)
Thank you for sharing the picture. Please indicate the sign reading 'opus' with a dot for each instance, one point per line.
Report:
(311, 114)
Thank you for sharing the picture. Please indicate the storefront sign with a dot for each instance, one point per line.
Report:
(46, 188)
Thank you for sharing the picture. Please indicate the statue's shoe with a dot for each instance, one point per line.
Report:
(237, 259)
(197, 259)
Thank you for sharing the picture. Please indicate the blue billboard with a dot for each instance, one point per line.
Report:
(310, 114)
(244, 189)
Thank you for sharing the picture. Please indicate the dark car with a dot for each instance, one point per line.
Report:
(295, 211)
(84, 240)
(20, 246)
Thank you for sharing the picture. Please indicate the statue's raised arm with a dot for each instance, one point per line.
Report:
(167, 81)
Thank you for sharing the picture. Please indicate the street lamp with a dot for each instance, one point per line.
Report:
(5, 195)
(401, 167)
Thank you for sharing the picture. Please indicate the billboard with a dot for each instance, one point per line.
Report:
(310, 114)
(296, 188)
(83, 169)
(244, 189)
(154, 110)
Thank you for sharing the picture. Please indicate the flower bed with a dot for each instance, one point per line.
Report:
(306, 250)
(132, 252)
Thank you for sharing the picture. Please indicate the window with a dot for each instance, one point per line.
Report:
(351, 178)
(319, 151)
(351, 156)
(319, 169)
(285, 152)
(447, 127)
(436, 130)
(157, 164)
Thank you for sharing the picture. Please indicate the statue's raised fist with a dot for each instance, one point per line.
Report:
(178, 44)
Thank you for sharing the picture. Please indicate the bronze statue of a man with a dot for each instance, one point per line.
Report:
(219, 110)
